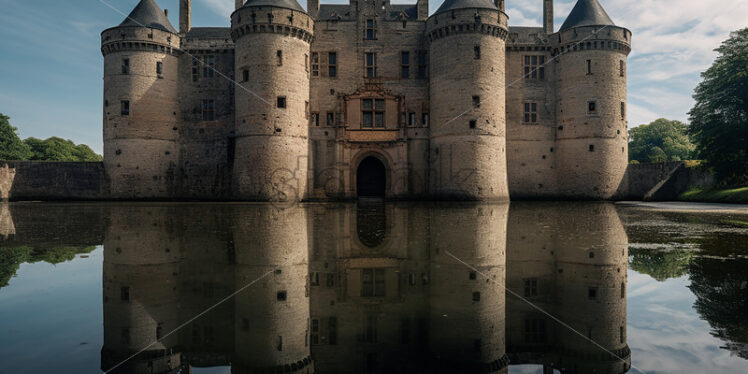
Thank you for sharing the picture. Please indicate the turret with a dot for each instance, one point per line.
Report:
(467, 89)
(141, 103)
(592, 140)
(272, 66)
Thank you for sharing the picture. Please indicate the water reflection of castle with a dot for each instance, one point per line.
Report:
(348, 288)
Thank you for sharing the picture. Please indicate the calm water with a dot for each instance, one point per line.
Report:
(345, 288)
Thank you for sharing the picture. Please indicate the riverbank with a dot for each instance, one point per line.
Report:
(737, 195)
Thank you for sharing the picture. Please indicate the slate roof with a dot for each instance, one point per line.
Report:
(462, 4)
(209, 33)
(288, 4)
(587, 13)
(148, 14)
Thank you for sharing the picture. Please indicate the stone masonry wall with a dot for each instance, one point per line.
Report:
(37, 180)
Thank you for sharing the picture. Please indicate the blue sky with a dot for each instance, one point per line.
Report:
(51, 66)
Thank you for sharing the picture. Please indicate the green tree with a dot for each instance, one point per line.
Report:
(11, 146)
(57, 149)
(660, 141)
(719, 119)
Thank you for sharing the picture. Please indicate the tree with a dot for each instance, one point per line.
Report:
(58, 149)
(719, 119)
(11, 146)
(660, 141)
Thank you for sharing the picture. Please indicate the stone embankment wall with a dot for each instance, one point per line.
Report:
(38, 180)
(661, 181)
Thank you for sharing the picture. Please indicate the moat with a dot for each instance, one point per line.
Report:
(372, 288)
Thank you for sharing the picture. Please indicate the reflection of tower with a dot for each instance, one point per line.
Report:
(468, 310)
(7, 229)
(571, 261)
(141, 265)
(271, 316)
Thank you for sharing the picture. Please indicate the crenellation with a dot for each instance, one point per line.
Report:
(293, 105)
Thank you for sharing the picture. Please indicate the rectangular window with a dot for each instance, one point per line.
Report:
(314, 279)
(315, 64)
(209, 110)
(422, 65)
(372, 283)
(315, 332)
(125, 108)
(535, 67)
(371, 30)
(245, 75)
(592, 293)
(159, 68)
(371, 64)
(209, 64)
(622, 68)
(476, 101)
(623, 110)
(591, 108)
(125, 66)
(281, 102)
(473, 123)
(279, 57)
(476, 52)
(332, 331)
(330, 119)
(411, 119)
(531, 113)
(425, 119)
(195, 69)
(372, 113)
(405, 65)
(332, 61)
(531, 287)
(315, 119)
(589, 67)
(306, 62)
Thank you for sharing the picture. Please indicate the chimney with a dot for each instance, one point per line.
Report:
(423, 9)
(185, 16)
(312, 8)
(548, 16)
(239, 3)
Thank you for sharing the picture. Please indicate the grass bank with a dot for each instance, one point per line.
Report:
(737, 195)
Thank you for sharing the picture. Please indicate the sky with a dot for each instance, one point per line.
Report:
(51, 65)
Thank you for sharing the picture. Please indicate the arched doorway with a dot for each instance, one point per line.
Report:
(371, 179)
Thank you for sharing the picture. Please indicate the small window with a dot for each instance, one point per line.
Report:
(306, 62)
(476, 101)
(282, 295)
(405, 65)
(372, 113)
(476, 52)
(125, 108)
(330, 119)
(159, 68)
(195, 69)
(623, 290)
(209, 110)
(315, 64)
(159, 330)
(281, 102)
(371, 30)
(370, 63)
(473, 123)
(372, 283)
(592, 148)
(531, 287)
(473, 275)
(622, 68)
(125, 293)
(315, 332)
(531, 113)
(422, 65)
(209, 63)
(534, 67)
(279, 57)
(245, 75)
(315, 119)
(623, 110)
(592, 293)
(591, 108)
(425, 119)
(332, 61)
(476, 296)
(125, 66)
(411, 119)
(589, 67)
(621, 335)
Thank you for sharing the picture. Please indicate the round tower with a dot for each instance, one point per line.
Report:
(272, 66)
(141, 104)
(272, 315)
(467, 91)
(592, 138)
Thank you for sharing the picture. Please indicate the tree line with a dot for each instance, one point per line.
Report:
(718, 129)
(51, 149)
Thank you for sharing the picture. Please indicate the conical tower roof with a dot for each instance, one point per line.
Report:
(463, 4)
(587, 13)
(148, 14)
(288, 4)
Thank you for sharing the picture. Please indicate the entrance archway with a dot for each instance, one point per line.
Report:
(371, 178)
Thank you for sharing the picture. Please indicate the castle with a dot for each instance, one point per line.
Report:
(365, 99)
